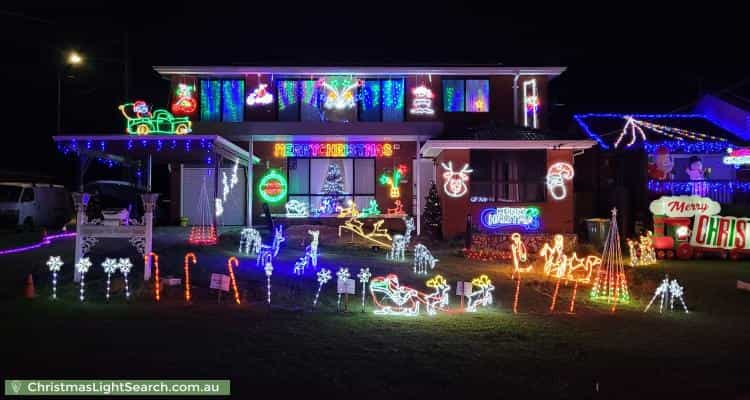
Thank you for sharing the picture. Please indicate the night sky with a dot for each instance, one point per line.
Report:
(619, 58)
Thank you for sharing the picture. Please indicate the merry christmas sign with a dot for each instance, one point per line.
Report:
(715, 231)
(684, 206)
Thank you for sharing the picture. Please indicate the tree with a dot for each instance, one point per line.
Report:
(333, 188)
(433, 213)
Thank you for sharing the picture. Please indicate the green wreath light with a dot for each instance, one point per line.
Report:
(272, 187)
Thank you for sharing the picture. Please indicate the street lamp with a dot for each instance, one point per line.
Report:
(73, 59)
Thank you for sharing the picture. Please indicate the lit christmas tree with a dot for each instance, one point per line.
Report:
(333, 188)
(433, 213)
(610, 284)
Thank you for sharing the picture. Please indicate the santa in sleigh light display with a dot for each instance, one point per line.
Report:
(689, 226)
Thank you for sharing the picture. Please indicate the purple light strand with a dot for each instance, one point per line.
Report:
(47, 240)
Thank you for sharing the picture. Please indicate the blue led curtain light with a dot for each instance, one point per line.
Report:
(233, 105)
(210, 100)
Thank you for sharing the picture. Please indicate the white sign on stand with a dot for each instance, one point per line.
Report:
(463, 288)
(348, 286)
(220, 282)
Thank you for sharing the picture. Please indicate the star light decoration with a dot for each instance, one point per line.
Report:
(324, 275)
(364, 277)
(667, 292)
(124, 265)
(54, 263)
(82, 267)
(342, 275)
(109, 266)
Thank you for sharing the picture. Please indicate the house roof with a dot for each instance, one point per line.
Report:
(494, 130)
(605, 129)
(461, 70)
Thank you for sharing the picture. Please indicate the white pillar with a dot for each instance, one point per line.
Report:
(418, 178)
(249, 214)
(149, 203)
(80, 200)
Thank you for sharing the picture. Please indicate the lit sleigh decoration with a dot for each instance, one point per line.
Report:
(339, 99)
(557, 174)
(391, 298)
(454, 183)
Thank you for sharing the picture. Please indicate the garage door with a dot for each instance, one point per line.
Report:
(234, 207)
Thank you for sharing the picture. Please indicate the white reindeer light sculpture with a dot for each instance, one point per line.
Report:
(423, 259)
(401, 242)
(250, 241)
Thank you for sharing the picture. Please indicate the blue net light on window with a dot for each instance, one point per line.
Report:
(393, 99)
(453, 95)
(210, 100)
(311, 98)
(233, 105)
(478, 95)
(288, 100)
(370, 101)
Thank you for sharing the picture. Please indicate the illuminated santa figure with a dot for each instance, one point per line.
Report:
(422, 102)
(260, 96)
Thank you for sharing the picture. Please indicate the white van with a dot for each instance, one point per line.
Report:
(34, 204)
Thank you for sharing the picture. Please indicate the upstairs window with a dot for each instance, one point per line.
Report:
(288, 100)
(471, 95)
(233, 106)
(210, 100)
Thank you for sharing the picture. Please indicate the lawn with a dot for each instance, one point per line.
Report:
(290, 349)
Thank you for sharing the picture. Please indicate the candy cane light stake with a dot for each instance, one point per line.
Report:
(188, 258)
(233, 261)
(155, 258)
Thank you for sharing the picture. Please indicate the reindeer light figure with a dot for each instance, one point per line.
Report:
(397, 210)
(278, 239)
(311, 251)
(339, 99)
(455, 181)
(482, 296)
(423, 259)
(439, 299)
(250, 241)
(401, 242)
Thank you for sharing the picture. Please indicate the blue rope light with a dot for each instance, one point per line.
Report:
(687, 187)
(681, 146)
(581, 120)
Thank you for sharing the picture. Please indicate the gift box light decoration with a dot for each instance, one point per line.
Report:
(124, 265)
(610, 283)
(454, 182)
(421, 104)
(272, 186)
(401, 242)
(642, 252)
(233, 263)
(54, 263)
(520, 266)
(250, 241)
(393, 180)
(342, 275)
(260, 96)
(82, 266)
(378, 235)
(667, 292)
(157, 284)
(296, 209)
(482, 296)
(423, 259)
(324, 275)
(189, 257)
(557, 174)
(109, 266)
(364, 277)
(390, 298)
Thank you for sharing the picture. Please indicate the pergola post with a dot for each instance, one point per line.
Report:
(80, 200)
(418, 178)
(249, 213)
(149, 204)
(217, 171)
